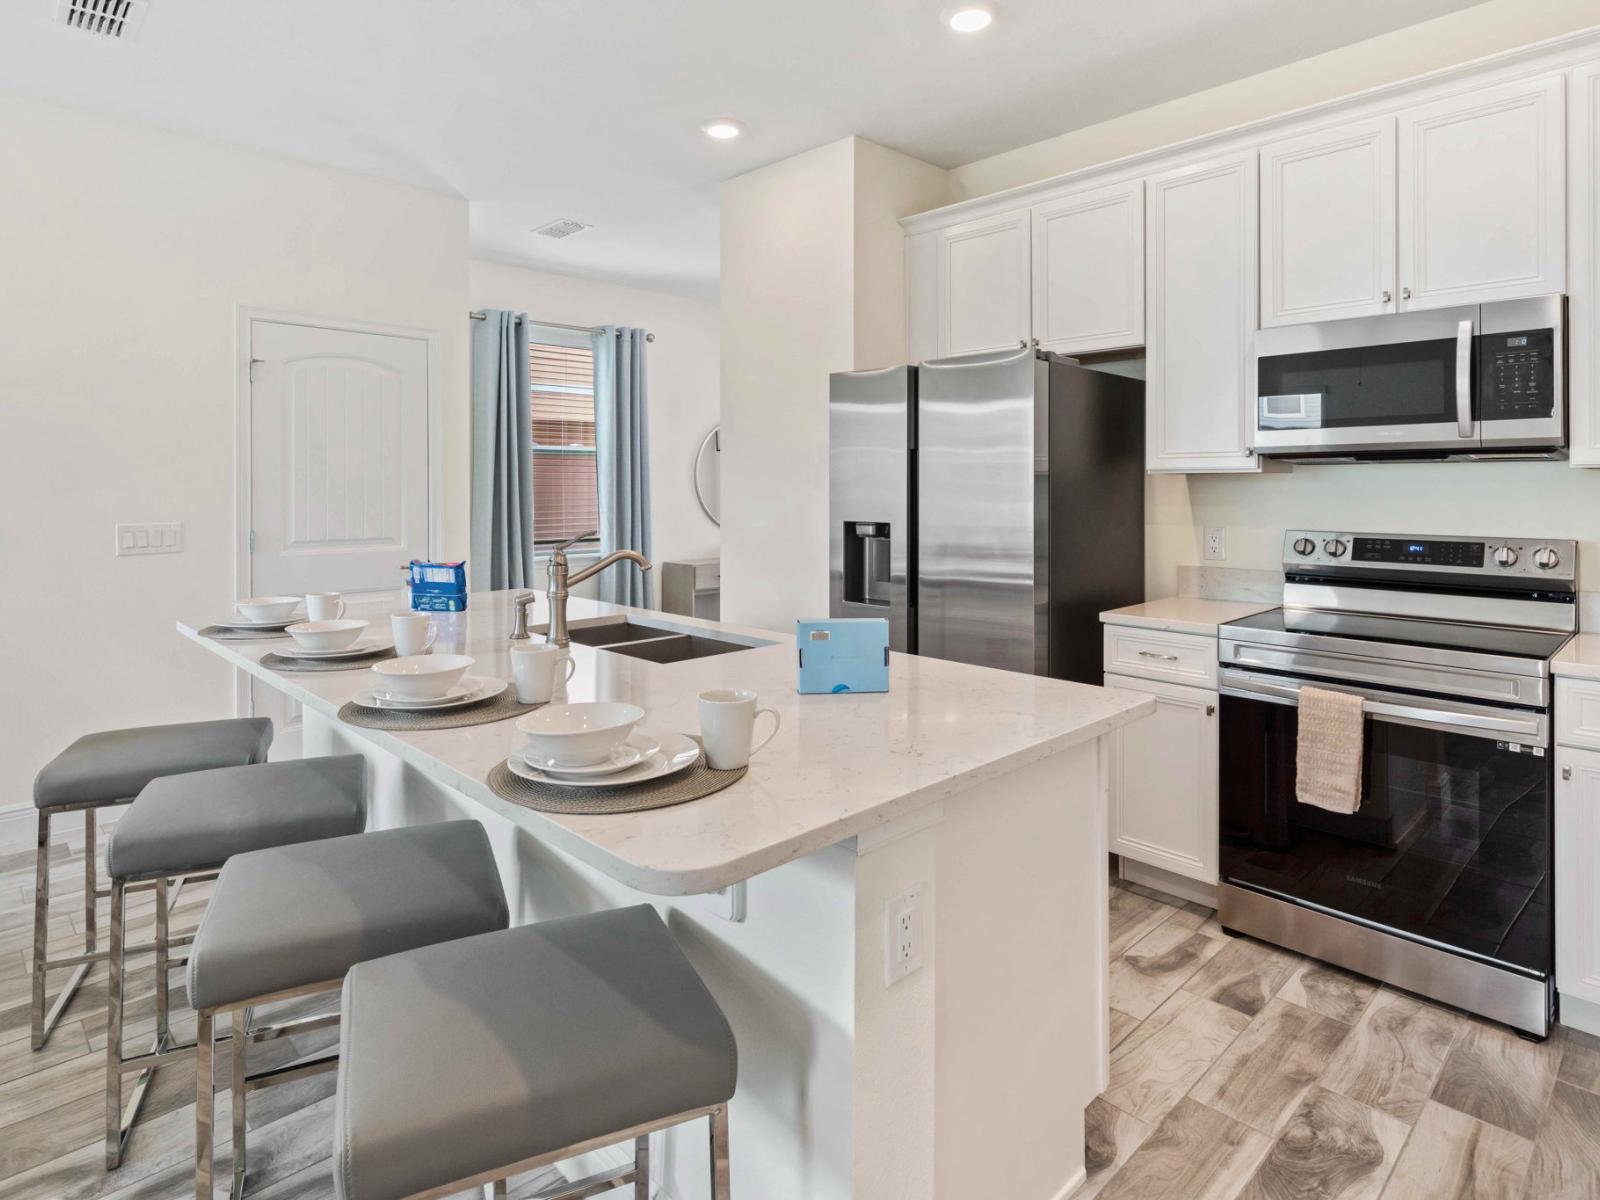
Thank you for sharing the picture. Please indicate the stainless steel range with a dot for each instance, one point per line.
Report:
(1440, 882)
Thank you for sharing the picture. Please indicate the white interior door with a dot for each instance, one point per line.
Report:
(338, 462)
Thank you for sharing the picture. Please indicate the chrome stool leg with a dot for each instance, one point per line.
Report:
(120, 1116)
(42, 1021)
(114, 1031)
(720, 1186)
(641, 1167)
(205, 1104)
(91, 880)
(238, 1089)
(163, 966)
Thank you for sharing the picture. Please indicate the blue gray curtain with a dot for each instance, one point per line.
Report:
(502, 459)
(622, 450)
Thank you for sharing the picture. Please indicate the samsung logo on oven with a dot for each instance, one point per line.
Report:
(1363, 882)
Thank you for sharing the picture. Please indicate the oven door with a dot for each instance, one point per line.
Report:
(1450, 846)
(1392, 383)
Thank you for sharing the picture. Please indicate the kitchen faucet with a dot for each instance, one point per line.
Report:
(559, 581)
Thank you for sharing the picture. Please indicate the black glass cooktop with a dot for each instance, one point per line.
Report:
(1400, 631)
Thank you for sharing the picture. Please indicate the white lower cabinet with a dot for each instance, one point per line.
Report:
(1577, 866)
(1163, 780)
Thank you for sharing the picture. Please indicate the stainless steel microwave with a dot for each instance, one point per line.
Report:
(1472, 382)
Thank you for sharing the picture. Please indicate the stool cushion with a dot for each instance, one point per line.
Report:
(305, 914)
(470, 1056)
(196, 822)
(112, 767)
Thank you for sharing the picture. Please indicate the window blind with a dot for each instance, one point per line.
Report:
(565, 484)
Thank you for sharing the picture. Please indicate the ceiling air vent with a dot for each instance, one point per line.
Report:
(106, 18)
(562, 228)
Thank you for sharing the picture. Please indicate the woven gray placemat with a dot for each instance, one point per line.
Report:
(485, 712)
(289, 663)
(699, 780)
(223, 634)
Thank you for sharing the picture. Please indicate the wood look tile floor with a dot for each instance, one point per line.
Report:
(1239, 1072)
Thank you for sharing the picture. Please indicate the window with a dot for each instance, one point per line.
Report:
(565, 486)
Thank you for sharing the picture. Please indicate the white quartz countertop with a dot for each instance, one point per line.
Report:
(840, 765)
(1579, 658)
(1184, 614)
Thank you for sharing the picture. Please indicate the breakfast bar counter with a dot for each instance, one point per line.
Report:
(968, 801)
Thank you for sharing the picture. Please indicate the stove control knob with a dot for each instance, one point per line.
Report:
(1546, 559)
(1505, 556)
(1304, 547)
(1334, 547)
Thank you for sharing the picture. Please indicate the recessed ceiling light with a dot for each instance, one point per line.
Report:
(722, 128)
(970, 18)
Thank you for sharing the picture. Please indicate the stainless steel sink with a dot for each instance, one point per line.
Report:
(653, 643)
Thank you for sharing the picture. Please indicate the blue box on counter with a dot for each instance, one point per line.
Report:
(845, 654)
(438, 587)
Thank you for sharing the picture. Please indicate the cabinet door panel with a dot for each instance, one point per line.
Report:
(1583, 300)
(1200, 281)
(1482, 203)
(1164, 781)
(1577, 866)
(984, 285)
(1328, 224)
(1088, 270)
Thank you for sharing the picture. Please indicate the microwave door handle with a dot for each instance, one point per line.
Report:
(1464, 379)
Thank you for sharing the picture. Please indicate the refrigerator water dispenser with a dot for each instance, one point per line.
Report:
(866, 562)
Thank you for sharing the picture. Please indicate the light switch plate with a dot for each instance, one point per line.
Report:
(163, 538)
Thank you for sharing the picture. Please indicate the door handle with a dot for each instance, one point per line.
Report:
(1566, 774)
(1211, 710)
(1464, 379)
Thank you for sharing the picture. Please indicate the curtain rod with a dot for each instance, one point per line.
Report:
(478, 316)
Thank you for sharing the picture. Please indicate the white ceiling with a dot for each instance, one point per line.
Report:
(590, 109)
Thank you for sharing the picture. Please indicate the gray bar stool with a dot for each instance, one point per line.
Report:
(471, 1061)
(291, 921)
(101, 770)
(189, 825)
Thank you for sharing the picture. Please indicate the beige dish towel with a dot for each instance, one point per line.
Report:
(1328, 760)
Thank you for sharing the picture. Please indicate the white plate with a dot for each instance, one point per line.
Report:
(469, 691)
(366, 645)
(630, 753)
(258, 626)
(677, 753)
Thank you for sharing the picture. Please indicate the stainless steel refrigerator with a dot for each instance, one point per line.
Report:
(990, 507)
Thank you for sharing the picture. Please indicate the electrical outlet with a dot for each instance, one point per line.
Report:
(149, 539)
(903, 921)
(1216, 547)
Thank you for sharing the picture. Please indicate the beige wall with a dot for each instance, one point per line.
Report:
(1513, 499)
(126, 251)
(813, 282)
(682, 383)
(1445, 41)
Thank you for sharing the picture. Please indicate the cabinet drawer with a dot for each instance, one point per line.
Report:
(1578, 713)
(1153, 654)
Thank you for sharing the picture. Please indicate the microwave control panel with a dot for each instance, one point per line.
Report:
(1516, 375)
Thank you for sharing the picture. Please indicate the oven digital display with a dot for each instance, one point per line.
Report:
(1420, 553)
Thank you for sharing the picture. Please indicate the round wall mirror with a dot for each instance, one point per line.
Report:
(708, 475)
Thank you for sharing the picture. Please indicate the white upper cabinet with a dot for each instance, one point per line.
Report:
(1088, 270)
(1200, 284)
(983, 285)
(1328, 224)
(1583, 300)
(1481, 186)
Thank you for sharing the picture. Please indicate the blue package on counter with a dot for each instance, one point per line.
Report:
(847, 654)
(438, 586)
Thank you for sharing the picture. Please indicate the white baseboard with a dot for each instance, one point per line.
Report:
(1072, 1185)
(1166, 881)
(1580, 1014)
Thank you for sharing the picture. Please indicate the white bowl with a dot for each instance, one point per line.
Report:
(326, 635)
(267, 608)
(420, 676)
(579, 735)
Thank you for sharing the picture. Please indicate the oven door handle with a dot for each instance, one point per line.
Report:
(1464, 379)
(1526, 728)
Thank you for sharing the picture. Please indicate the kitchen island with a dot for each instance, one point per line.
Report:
(971, 796)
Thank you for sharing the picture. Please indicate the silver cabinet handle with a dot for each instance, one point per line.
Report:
(1566, 773)
(1405, 293)
(1162, 657)
(1387, 295)
(1464, 379)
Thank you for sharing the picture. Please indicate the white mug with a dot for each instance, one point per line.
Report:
(727, 725)
(414, 633)
(533, 668)
(324, 606)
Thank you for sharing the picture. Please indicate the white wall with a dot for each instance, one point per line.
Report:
(125, 251)
(812, 283)
(682, 384)
(1511, 499)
